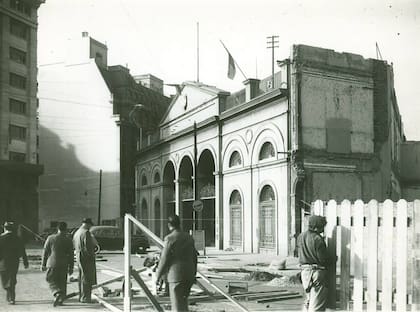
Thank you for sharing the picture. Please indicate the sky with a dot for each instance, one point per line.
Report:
(160, 37)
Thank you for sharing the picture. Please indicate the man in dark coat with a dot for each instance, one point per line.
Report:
(179, 263)
(57, 259)
(11, 250)
(313, 259)
(85, 244)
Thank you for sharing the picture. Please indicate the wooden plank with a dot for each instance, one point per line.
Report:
(416, 261)
(357, 258)
(147, 291)
(106, 304)
(318, 208)
(279, 298)
(401, 251)
(345, 229)
(372, 265)
(387, 236)
(331, 240)
(120, 277)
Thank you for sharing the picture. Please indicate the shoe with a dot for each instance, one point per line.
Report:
(12, 301)
(86, 301)
(56, 300)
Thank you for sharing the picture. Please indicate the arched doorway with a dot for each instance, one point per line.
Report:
(186, 193)
(206, 193)
(157, 217)
(235, 205)
(144, 213)
(168, 192)
(267, 218)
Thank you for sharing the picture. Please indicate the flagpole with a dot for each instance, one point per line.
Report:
(233, 60)
(198, 52)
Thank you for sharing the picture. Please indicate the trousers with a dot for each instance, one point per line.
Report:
(314, 283)
(85, 287)
(8, 281)
(179, 292)
(57, 280)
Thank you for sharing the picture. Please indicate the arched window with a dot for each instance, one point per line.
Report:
(267, 214)
(143, 180)
(156, 178)
(235, 204)
(144, 214)
(235, 159)
(157, 217)
(267, 151)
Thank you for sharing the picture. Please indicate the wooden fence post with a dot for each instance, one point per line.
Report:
(401, 251)
(345, 227)
(416, 257)
(331, 237)
(372, 257)
(357, 258)
(387, 236)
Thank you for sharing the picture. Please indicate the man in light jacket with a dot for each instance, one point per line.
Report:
(179, 263)
(84, 246)
(57, 260)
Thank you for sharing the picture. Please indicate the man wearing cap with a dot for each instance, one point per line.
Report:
(178, 263)
(84, 245)
(11, 250)
(313, 259)
(57, 260)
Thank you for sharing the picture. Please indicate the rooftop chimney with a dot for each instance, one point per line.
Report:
(252, 88)
(85, 34)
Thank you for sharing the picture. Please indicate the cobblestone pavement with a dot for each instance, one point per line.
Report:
(33, 293)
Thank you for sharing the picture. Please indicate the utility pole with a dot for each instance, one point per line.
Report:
(198, 52)
(100, 196)
(272, 42)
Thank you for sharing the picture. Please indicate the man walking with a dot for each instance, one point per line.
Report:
(179, 263)
(11, 250)
(84, 245)
(57, 259)
(313, 259)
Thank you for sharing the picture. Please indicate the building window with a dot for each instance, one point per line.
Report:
(235, 159)
(143, 180)
(267, 218)
(19, 157)
(17, 81)
(144, 214)
(235, 204)
(17, 133)
(17, 107)
(267, 151)
(17, 55)
(156, 178)
(20, 6)
(18, 29)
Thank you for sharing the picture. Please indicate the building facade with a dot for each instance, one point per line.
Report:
(19, 161)
(87, 140)
(329, 128)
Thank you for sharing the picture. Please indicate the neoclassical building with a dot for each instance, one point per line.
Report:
(326, 127)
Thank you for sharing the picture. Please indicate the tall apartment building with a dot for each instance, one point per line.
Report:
(19, 167)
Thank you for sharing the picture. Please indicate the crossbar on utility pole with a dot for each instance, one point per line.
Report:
(272, 45)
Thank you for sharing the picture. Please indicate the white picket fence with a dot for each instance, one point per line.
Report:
(378, 251)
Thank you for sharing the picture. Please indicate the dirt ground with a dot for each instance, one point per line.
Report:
(225, 269)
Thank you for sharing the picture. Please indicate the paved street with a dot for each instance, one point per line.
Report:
(33, 293)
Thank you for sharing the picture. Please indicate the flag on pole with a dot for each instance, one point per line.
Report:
(231, 67)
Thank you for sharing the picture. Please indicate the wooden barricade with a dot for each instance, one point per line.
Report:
(377, 247)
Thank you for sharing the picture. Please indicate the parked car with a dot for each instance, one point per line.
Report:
(112, 238)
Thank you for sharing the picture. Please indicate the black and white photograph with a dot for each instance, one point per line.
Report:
(209, 155)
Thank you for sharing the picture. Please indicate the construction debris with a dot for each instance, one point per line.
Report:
(260, 276)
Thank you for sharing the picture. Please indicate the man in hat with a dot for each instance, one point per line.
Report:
(11, 250)
(85, 244)
(313, 259)
(179, 263)
(57, 260)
